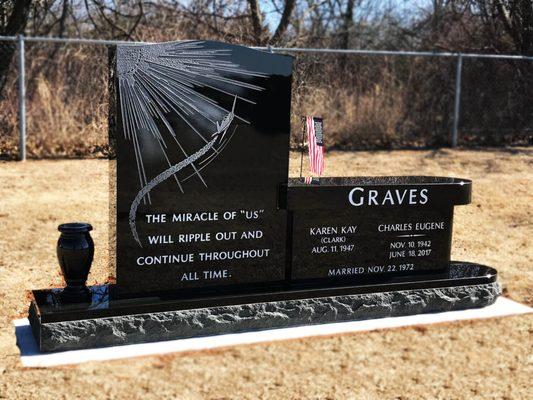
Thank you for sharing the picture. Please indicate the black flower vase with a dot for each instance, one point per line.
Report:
(75, 251)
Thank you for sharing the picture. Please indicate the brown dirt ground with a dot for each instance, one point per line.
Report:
(478, 359)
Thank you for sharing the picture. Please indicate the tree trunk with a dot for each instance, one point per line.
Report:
(516, 16)
(284, 21)
(347, 23)
(15, 25)
(257, 23)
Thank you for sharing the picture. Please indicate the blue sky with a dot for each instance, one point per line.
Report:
(401, 7)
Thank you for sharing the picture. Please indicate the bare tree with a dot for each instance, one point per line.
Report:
(515, 17)
(257, 21)
(284, 21)
(260, 32)
(116, 20)
(13, 19)
(347, 24)
(14, 16)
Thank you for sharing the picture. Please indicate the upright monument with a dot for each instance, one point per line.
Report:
(213, 237)
(202, 140)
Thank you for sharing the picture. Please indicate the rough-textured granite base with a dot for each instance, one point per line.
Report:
(151, 327)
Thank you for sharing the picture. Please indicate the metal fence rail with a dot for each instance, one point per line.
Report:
(20, 42)
(22, 98)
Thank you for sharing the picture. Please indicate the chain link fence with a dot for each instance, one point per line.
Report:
(54, 97)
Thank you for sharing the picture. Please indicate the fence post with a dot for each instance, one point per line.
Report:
(457, 106)
(22, 99)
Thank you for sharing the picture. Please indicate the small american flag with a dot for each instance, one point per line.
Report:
(315, 139)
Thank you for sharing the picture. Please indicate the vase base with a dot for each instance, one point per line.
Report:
(75, 294)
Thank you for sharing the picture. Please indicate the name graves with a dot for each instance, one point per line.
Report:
(372, 227)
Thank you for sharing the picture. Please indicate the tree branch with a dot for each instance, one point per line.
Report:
(18, 18)
(257, 23)
(284, 21)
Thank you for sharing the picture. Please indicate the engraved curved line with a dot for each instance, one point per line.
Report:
(222, 128)
(160, 178)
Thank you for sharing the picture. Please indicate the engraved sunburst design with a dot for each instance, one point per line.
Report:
(155, 81)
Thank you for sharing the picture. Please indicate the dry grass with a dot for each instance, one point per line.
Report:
(478, 360)
(368, 120)
(66, 107)
(65, 119)
(55, 121)
(367, 102)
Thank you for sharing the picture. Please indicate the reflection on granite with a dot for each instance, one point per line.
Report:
(99, 299)
(458, 271)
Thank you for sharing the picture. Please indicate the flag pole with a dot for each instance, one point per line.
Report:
(303, 119)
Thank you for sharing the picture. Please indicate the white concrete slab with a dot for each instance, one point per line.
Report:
(31, 357)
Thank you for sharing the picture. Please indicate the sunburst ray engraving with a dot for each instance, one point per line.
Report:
(155, 81)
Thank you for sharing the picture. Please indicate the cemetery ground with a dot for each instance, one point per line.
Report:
(474, 359)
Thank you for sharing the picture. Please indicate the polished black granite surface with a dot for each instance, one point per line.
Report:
(202, 142)
(349, 227)
(390, 192)
(379, 180)
(106, 301)
(350, 243)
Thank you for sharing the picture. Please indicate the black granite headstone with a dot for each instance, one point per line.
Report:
(202, 140)
(212, 237)
(369, 228)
